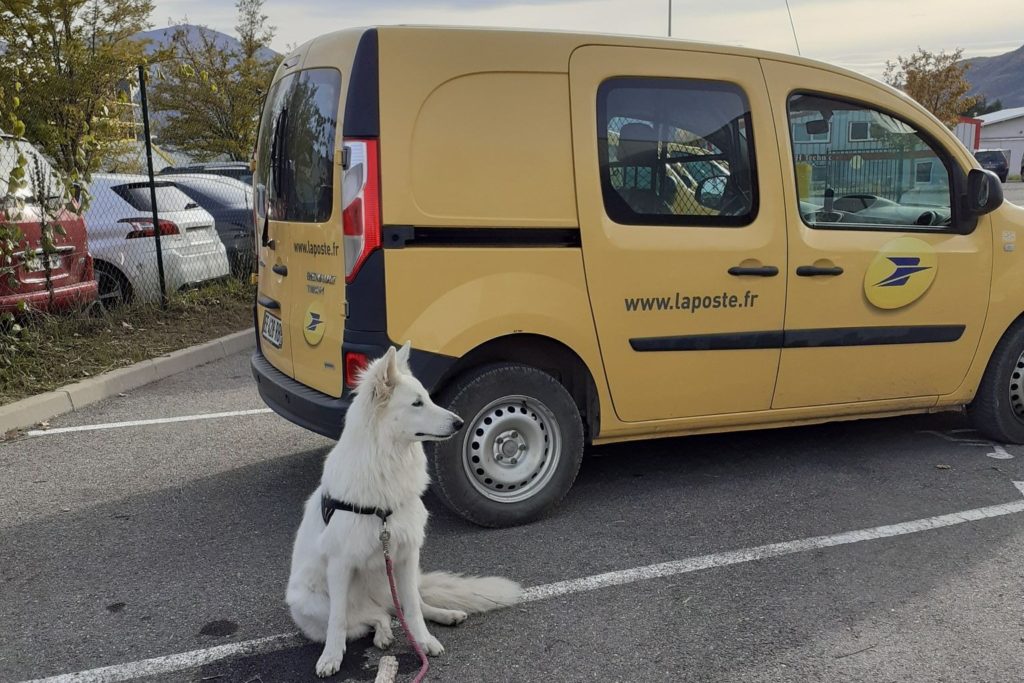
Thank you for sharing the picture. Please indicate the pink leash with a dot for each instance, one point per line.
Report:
(385, 536)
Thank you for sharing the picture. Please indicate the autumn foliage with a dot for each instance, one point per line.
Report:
(937, 80)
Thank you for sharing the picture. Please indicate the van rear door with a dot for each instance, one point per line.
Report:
(301, 299)
(272, 295)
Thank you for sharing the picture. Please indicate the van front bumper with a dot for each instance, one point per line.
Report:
(296, 402)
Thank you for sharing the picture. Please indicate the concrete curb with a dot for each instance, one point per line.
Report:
(35, 409)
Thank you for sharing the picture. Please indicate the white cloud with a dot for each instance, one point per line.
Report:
(857, 34)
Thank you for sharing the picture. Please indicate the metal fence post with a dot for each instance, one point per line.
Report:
(152, 186)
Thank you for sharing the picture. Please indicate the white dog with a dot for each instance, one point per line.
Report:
(338, 587)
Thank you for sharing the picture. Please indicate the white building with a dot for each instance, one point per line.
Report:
(1005, 130)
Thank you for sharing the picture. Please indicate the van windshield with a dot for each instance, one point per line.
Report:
(295, 154)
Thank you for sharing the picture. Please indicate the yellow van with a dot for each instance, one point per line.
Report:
(592, 239)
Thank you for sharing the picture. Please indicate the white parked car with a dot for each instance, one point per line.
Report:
(119, 222)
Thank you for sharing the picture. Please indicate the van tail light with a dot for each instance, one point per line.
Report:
(143, 227)
(360, 200)
(355, 363)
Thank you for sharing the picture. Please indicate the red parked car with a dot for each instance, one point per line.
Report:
(70, 267)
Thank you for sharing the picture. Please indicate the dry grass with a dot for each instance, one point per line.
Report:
(54, 350)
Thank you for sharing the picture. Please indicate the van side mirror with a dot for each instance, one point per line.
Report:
(76, 191)
(984, 191)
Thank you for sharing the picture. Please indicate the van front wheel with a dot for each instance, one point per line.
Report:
(519, 452)
(998, 408)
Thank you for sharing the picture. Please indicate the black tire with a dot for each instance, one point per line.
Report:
(998, 408)
(525, 428)
(113, 287)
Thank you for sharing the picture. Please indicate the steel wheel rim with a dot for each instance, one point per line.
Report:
(511, 448)
(1016, 388)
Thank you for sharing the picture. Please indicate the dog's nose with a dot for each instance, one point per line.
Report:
(458, 424)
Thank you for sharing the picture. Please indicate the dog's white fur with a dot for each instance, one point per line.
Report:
(338, 587)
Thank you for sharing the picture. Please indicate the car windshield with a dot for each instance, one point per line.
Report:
(43, 181)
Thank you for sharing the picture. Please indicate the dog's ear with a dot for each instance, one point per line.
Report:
(403, 358)
(381, 376)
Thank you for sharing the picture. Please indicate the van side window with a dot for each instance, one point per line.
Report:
(676, 152)
(861, 168)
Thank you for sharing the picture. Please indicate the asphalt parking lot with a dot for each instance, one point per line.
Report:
(159, 552)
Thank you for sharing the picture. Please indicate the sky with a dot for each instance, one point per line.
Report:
(856, 34)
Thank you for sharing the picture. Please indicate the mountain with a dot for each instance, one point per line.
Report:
(161, 37)
(999, 78)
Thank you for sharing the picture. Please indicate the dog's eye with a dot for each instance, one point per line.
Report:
(418, 403)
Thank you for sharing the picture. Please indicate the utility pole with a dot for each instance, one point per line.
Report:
(669, 18)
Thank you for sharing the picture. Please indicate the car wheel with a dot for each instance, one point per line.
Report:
(998, 409)
(113, 286)
(520, 451)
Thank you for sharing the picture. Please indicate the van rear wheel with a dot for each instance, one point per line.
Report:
(998, 409)
(520, 450)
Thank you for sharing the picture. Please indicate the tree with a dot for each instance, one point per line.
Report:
(74, 60)
(937, 80)
(983, 106)
(210, 94)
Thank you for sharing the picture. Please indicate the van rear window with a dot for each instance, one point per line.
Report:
(295, 154)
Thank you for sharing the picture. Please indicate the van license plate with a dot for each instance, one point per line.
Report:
(272, 329)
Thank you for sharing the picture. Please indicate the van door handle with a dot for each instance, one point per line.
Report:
(812, 271)
(280, 269)
(267, 302)
(759, 271)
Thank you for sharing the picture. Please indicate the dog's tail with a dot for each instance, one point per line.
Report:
(468, 593)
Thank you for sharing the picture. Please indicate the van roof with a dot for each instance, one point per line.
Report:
(561, 41)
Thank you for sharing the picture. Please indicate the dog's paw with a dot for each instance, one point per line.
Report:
(446, 617)
(432, 646)
(329, 663)
(383, 638)
(455, 617)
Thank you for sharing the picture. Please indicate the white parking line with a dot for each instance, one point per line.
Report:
(141, 423)
(179, 662)
(763, 552)
(998, 451)
(195, 658)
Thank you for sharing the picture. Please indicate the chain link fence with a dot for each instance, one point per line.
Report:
(126, 234)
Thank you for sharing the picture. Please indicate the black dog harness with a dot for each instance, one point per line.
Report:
(328, 505)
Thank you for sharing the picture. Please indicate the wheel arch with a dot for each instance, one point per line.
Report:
(987, 345)
(100, 264)
(544, 353)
